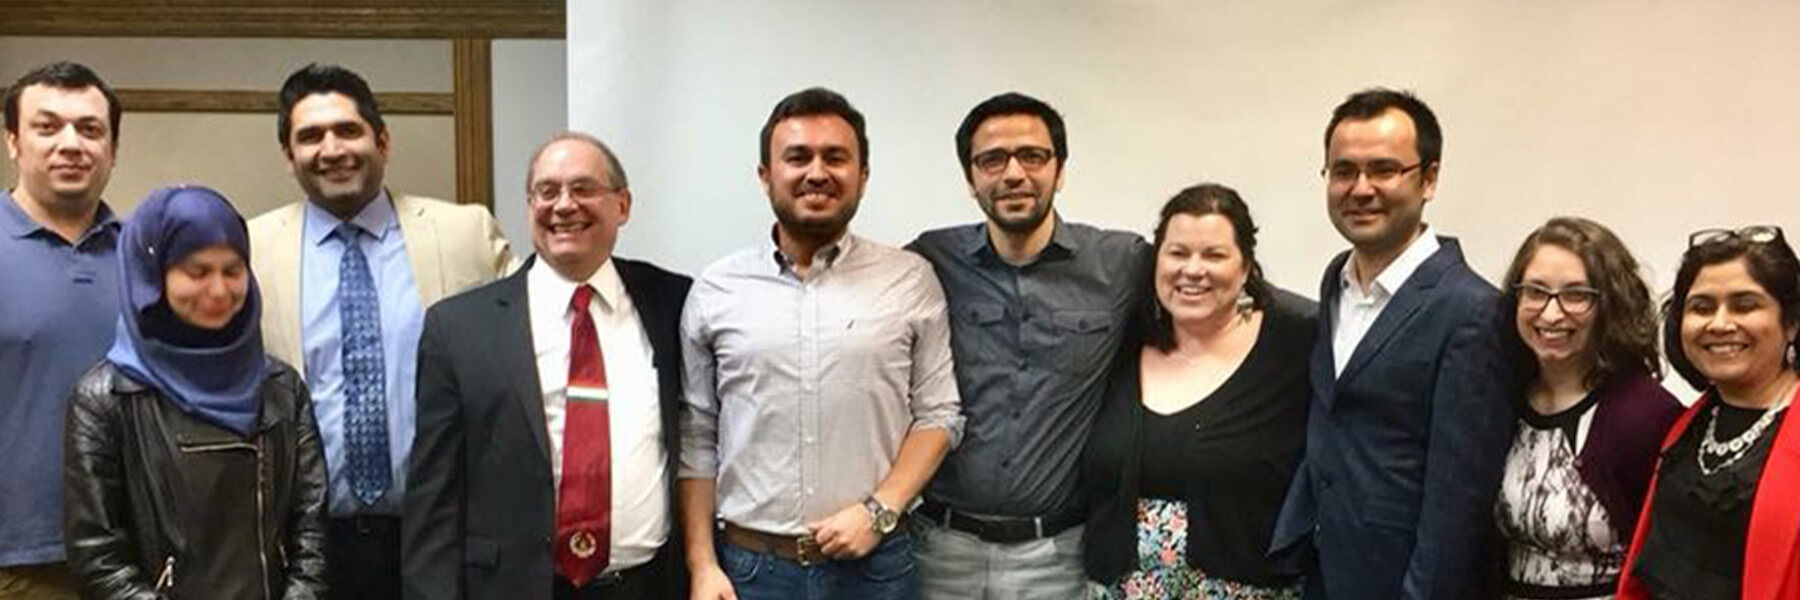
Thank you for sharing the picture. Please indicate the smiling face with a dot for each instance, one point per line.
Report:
(575, 210)
(1016, 196)
(64, 147)
(207, 288)
(1553, 332)
(1732, 330)
(1378, 215)
(1199, 270)
(336, 156)
(815, 176)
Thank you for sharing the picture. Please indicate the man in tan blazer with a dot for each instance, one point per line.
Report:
(347, 275)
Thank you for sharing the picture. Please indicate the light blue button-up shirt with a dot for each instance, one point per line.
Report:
(402, 317)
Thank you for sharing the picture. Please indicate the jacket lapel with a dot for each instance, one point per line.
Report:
(1324, 359)
(1405, 303)
(421, 248)
(516, 359)
(1775, 517)
(281, 284)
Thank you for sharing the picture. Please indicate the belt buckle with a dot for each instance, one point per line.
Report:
(807, 551)
(608, 579)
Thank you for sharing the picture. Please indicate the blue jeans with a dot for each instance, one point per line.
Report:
(887, 573)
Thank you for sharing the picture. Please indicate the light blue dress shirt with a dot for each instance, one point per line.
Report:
(402, 317)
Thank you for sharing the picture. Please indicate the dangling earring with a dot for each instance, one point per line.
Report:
(1244, 303)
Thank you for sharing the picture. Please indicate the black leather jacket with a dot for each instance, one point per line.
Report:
(160, 504)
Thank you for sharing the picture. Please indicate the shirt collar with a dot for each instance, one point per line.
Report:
(823, 259)
(1062, 241)
(378, 219)
(1397, 272)
(17, 224)
(559, 290)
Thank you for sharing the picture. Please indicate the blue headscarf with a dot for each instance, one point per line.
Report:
(214, 376)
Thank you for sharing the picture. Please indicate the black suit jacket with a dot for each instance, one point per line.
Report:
(480, 507)
(1405, 448)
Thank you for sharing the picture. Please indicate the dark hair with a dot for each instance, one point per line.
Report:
(1200, 200)
(1010, 103)
(814, 101)
(1772, 264)
(326, 79)
(63, 75)
(1624, 328)
(1370, 103)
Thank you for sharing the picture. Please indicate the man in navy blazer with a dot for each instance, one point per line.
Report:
(1410, 417)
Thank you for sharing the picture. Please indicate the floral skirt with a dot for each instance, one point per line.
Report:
(1162, 571)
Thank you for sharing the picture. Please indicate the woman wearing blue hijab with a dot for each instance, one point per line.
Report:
(193, 466)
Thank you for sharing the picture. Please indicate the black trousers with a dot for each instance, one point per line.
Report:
(644, 581)
(362, 558)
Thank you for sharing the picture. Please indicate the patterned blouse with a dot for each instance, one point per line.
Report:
(1560, 543)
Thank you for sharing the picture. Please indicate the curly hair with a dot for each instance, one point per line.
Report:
(1624, 330)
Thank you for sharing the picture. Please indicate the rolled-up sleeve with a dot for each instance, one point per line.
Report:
(700, 408)
(932, 393)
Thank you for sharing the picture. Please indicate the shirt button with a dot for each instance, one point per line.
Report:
(1024, 365)
(1024, 316)
(809, 491)
(809, 439)
(1016, 414)
(1006, 463)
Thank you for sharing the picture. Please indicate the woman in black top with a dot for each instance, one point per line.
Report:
(1720, 521)
(1204, 425)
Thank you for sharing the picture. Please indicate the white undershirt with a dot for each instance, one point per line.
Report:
(640, 510)
(1356, 311)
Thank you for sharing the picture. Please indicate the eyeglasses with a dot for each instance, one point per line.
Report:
(548, 192)
(1030, 157)
(1574, 300)
(1380, 172)
(1755, 234)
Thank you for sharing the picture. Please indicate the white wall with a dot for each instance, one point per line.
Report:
(530, 105)
(1656, 118)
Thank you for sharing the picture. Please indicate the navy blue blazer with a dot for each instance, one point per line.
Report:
(1405, 450)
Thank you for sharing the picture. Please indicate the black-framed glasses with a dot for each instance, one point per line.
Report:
(1030, 157)
(1755, 234)
(1574, 300)
(1379, 172)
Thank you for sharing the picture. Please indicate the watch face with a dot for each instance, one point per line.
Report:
(887, 521)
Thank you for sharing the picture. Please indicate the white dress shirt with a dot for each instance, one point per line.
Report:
(1357, 310)
(640, 507)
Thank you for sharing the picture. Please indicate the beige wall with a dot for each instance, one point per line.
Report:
(238, 153)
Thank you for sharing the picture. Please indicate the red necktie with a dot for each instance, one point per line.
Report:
(584, 502)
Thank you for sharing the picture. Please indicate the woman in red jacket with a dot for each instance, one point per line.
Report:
(1723, 516)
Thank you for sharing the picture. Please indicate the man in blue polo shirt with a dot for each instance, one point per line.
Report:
(58, 304)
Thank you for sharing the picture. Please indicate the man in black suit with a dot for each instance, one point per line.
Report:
(544, 459)
(1411, 411)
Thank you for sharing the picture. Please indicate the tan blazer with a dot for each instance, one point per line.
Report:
(452, 247)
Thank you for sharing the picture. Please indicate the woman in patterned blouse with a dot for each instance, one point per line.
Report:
(1583, 339)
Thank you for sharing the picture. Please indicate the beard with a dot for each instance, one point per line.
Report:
(1014, 223)
(814, 225)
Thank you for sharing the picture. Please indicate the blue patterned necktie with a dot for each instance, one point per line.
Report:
(365, 378)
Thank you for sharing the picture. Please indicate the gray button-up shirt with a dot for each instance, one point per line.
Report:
(800, 392)
(1033, 348)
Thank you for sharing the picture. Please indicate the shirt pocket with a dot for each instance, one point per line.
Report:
(1080, 338)
(978, 333)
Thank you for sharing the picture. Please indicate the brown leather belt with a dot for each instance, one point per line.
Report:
(802, 548)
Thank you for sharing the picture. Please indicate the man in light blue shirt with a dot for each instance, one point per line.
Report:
(347, 276)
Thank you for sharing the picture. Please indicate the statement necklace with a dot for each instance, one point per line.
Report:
(1729, 452)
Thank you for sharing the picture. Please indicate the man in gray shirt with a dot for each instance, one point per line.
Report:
(820, 396)
(58, 304)
(1038, 308)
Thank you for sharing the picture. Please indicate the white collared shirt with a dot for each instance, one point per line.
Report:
(640, 507)
(1357, 311)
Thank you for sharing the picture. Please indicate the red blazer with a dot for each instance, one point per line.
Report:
(1771, 559)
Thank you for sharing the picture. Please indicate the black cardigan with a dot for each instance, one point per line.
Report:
(1251, 437)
